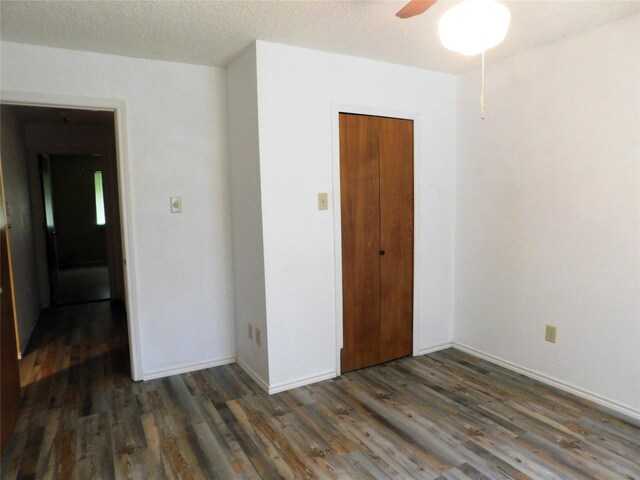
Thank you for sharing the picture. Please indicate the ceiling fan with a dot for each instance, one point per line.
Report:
(470, 27)
(415, 7)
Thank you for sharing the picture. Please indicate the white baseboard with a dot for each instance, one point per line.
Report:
(435, 348)
(301, 382)
(187, 367)
(554, 382)
(254, 376)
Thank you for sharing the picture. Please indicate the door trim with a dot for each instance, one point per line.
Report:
(124, 187)
(336, 110)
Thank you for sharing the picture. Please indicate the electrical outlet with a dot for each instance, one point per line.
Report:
(251, 331)
(258, 337)
(550, 334)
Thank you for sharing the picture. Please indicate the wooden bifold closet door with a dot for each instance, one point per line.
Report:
(376, 183)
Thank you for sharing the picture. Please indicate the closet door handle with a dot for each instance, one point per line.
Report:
(382, 252)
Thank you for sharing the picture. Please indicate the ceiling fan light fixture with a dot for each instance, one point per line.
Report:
(473, 26)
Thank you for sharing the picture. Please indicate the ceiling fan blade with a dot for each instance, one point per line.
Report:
(415, 7)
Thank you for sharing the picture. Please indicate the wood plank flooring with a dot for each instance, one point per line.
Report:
(447, 415)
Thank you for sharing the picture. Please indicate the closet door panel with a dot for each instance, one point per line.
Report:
(360, 210)
(396, 238)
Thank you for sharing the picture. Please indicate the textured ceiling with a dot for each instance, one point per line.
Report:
(213, 32)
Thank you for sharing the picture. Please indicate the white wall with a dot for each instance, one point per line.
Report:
(548, 210)
(21, 233)
(246, 214)
(176, 145)
(296, 90)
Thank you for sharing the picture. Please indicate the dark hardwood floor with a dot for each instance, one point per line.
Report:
(83, 284)
(447, 415)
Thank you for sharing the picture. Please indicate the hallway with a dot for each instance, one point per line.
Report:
(70, 340)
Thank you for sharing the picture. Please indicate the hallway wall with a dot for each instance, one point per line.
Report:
(22, 226)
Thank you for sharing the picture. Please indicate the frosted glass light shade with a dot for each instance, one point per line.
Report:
(473, 26)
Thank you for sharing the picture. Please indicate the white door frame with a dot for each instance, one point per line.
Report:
(336, 110)
(124, 188)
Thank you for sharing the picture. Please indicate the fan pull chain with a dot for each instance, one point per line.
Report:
(482, 92)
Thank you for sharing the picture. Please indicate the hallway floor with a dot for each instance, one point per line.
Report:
(447, 415)
(83, 284)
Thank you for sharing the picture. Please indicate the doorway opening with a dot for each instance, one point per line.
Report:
(73, 192)
(64, 217)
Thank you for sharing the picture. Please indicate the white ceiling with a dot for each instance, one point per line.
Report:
(213, 32)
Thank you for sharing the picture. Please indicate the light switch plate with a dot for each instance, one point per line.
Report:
(550, 334)
(176, 204)
(323, 201)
